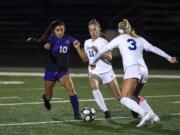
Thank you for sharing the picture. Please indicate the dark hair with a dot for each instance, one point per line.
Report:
(48, 32)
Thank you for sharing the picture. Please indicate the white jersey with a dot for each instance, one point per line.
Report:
(131, 49)
(100, 43)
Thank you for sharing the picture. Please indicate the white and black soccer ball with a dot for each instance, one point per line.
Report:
(88, 114)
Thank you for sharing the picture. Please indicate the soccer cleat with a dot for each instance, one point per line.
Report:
(134, 114)
(46, 102)
(107, 114)
(78, 117)
(155, 119)
(144, 119)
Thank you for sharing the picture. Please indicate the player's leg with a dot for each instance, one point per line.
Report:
(94, 84)
(142, 102)
(49, 81)
(49, 89)
(48, 93)
(135, 98)
(67, 82)
(114, 88)
(110, 80)
(128, 88)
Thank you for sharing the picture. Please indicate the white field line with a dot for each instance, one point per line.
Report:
(175, 114)
(36, 103)
(81, 100)
(166, 76)
(63, 121)
(177, 102)
(161, 96)
(9, 97)
(11, 82)
(54, 122)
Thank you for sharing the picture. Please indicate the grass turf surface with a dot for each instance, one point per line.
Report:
(32, 90)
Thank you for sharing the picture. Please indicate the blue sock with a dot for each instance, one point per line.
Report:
(75, 104)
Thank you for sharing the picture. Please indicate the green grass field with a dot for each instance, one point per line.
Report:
(22, 111)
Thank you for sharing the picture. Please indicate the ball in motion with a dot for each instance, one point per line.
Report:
(88, 114)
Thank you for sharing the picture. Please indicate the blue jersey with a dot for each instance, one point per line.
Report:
(59, 53)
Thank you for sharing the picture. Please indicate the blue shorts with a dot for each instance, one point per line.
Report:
(50, 75)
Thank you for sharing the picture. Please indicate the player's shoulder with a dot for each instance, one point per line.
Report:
(68, 36)
(141, 39)
(102, 40)
(51, 36)
(87, 42)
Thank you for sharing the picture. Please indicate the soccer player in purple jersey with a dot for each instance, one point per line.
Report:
(56, 66)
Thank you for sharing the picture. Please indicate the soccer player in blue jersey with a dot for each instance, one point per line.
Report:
(56, 66)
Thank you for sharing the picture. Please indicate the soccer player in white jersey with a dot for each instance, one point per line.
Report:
(102, 71)
(131, 47)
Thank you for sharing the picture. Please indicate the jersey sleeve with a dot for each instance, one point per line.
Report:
(50, 39)
(102, 43)
(84, 47)
(149, 47)
(114, 43)
(71, 39)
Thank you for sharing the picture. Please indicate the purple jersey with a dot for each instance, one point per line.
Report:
(59, 52)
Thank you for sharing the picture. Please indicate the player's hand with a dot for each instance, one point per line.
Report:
(173, 60)
(76, 44)
(47, 46)
(95, 48)
(29, 39)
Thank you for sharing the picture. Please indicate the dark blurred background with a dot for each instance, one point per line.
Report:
(156, 20)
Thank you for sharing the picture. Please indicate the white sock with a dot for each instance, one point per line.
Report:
(99, 100)
(132, 105)
(145, 106)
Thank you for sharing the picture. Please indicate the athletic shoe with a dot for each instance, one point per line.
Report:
(134, 114)
(144, 119)
(155, 119)
(78, 117)
(47, 103)
(107, 114)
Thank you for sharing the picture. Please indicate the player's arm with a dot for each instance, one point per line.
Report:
(111, 45)
(46, 46)
(107, 55)
(80, 51)
(158, 51)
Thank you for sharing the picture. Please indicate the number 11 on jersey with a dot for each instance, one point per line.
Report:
(91, 53)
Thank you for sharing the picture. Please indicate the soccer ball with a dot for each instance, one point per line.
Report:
(88, 114)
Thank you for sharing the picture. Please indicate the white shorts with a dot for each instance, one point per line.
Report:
(105, 77)
(136, 71)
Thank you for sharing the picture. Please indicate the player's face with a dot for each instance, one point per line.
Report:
(59, 31)
(94, 31)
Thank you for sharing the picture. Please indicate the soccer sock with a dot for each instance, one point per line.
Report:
(142, 102)
(132, 105)
(99, 100)
(75, 104)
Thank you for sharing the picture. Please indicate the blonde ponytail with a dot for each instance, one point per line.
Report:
(125, 26)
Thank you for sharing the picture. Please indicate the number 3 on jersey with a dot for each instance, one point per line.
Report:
(133, 45)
